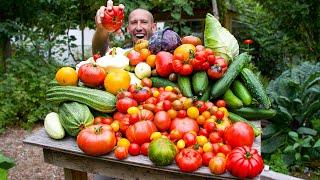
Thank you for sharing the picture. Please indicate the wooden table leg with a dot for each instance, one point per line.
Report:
(70, 174)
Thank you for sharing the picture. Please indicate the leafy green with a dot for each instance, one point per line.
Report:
(219, 39)
(3, 174)
(5, 162)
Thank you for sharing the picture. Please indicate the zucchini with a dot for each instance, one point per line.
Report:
(253, 113)
(206, 94)
(221, 86)
(241, 92)
(232, 100)
(185, 86)
(255, 87)
(162, 82)
(236, 118)
(200, 82)
(97, 99)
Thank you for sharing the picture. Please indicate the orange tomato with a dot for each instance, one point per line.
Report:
(191, 40)
(151, 60)
(185, 50)
(117, 80)
(144, 53)
(67, 76)
(218, 164)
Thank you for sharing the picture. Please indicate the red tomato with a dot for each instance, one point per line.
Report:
(211, 59)
(124, 104)
(132, 88)
(133, 118)
(145, 114)
(221, 62)
(121, 152)
(214, 137)
(189, 139)
(144, 149)
(150, 107)
(215, 72)
(96, 140)
(119, 115)
(239, 134)
(201, 106)
(201, 56)
(203, 132)
(113, 19)
(141, 95)
(209, 126)
(216, 148)
(225, 149)
(102, 120)
(206, 157)
(96, 56)
(248, 41)
(244, 162)
(167, 105)
(151, 100)
(222, 125)
(146, 82)
(134, 149)
(140, 132)
(134, 57)
(164, 63)
(182, 113)
(209, 52)
(91, 75)
(162, 120)
(124, 94)
(219, 114)
(217, 165)
(175, 135)
(200, 48)
(191, 40)
(188, 160)
(221, 103)
(124, 123)
(209, 104)
(184, 125)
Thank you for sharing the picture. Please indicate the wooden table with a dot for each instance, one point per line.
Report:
(65, 153)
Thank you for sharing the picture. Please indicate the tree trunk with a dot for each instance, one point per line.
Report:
(82, 29)
(5, 53)
(215, 9)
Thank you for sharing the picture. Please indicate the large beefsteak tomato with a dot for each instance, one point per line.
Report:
(140, 132)
(244, 162)
(96, 140)
(188, 160)
(184, 125)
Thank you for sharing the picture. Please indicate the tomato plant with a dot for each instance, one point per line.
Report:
(188, 160)
(96, 140)
(244, 162)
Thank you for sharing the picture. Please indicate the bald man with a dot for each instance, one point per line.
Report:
(140, 26)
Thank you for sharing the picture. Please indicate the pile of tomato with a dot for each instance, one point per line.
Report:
(201, 131)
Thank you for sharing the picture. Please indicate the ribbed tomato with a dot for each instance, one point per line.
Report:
(96, 140)
(140, 132)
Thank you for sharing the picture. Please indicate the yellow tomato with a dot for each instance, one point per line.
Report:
(168, 88)
(123, 142)
(207, 147)
(155, 135)
(67, 76)
(115, 126)
(151, 60)
(181, 144)
(206, 114)
(133, 110)
(116, 80)
(193, 112)
(145, 53)
(156, 93)
(172, 113)
(185, 50)
(225, 111)
(201, 120)
(201, 140)
(187, 103)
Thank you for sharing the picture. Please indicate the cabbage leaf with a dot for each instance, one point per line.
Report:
(219, 39)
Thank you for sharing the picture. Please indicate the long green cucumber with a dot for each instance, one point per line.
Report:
(162, 82)
(185, 85)
(232, 100)
(206, 94)
(236, 118)
(200, 82)
(221, 86)
(255, 87)
(253, 113)
(241, 92)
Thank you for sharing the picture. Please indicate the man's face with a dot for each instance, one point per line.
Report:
(140, 25)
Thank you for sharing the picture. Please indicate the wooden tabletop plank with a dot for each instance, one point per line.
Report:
(68, 145)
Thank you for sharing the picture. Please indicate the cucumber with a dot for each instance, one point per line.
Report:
(185, 86)
(200, 82)
(162, 82)
(253, 113)
(236, 118)
(221, 86)
(255, 87)
(206, 94)
(232, 100)
(241, 92)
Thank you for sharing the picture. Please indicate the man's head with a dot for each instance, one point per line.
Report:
(141, 25)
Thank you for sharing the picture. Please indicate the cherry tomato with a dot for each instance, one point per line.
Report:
(201, 106)
(121, 152)
(134, 57)
(214, 137)
(182, 113)
(141, 95)
(175, 135)
(151, 100)
(146, 82)
(248, 41)
(134, 149)
(216, 148)
(211, 59)
(189, 139)
(200, 48)
(209, 52)
(225, 149)
(209, 126)
(219, 114)
(166, 105)
(221, 103)
(144, 149)
(193, 112)
(203, 132)
(96, 56)
(172, 113)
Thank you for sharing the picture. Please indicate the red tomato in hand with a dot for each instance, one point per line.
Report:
(239, 134)
(162, 120)
(244, 162)
(144, 149)
(134, 149)
(113, 19)
(121, 152)
(217, 165)
(188, 160)
(91, 75)
(96, 140)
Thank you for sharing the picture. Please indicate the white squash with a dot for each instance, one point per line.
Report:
(116, 59)
(142, 70)
(53, 126)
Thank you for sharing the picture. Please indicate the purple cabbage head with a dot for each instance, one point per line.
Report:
(164, 40)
